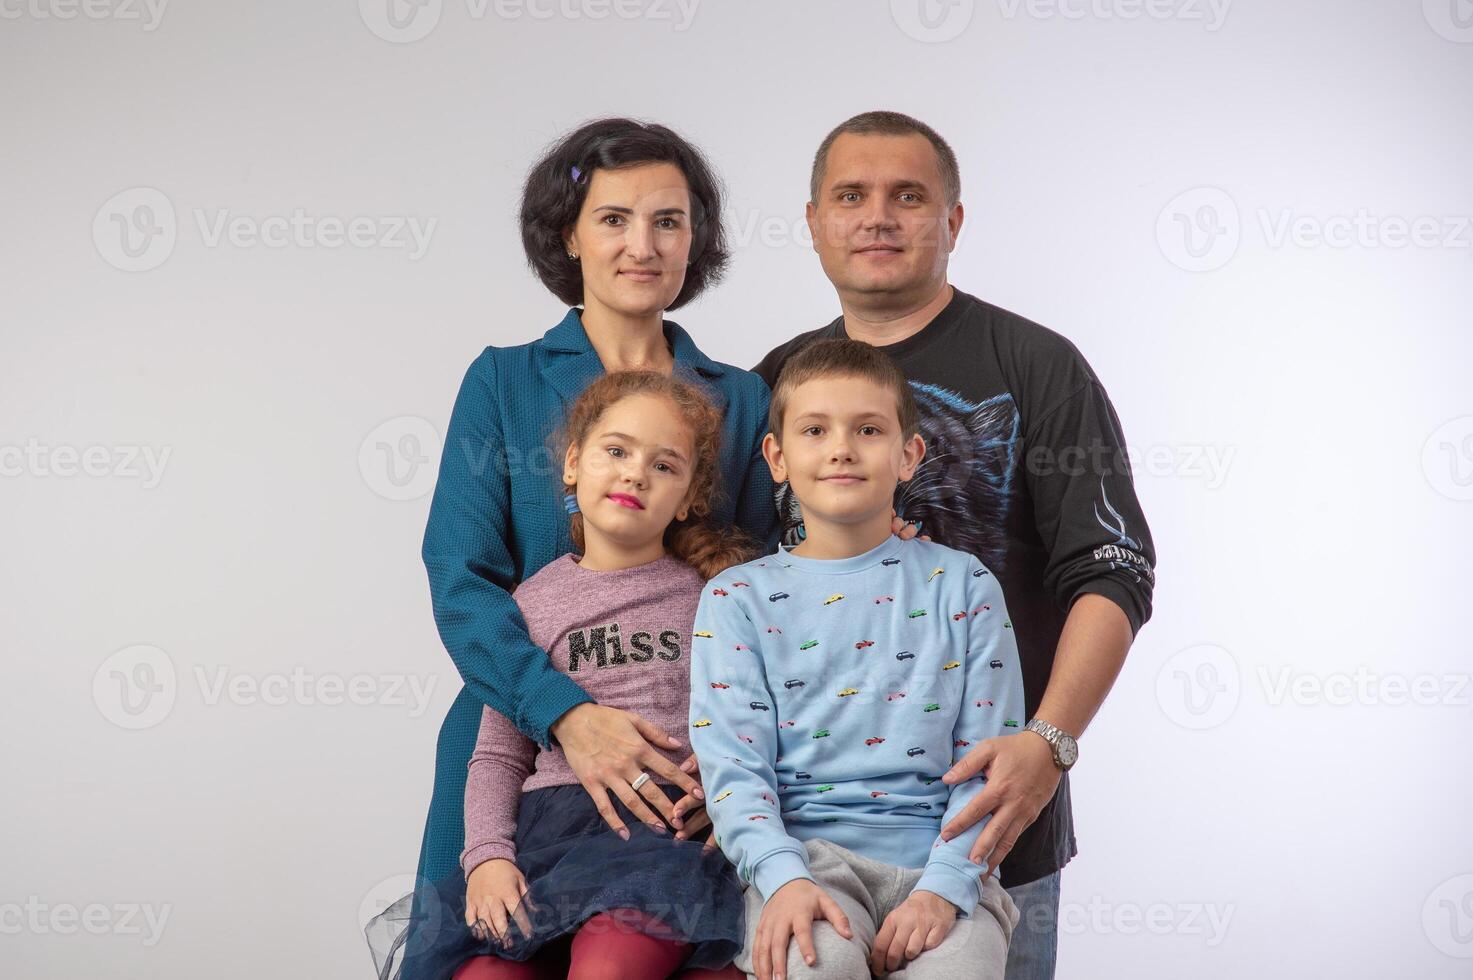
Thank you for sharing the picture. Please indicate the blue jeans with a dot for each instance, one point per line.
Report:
(1035, 946)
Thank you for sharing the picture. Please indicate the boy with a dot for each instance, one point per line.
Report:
(831, 686)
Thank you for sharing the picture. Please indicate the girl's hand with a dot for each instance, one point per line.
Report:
(607, 749)
(493, 893)
(789, 914)
(689, 804)
(904, 529)
(919, 923)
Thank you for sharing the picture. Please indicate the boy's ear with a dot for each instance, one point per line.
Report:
(773, 453)
(911, 455)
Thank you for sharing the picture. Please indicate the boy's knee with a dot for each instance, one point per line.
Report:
(835, 958)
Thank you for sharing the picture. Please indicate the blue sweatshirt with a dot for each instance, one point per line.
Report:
(828, 697)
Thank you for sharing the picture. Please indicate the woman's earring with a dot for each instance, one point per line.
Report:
(573, 255)
(570, 501)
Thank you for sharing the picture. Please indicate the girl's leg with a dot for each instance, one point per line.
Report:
(728, 972)
(548, 963)
(613, 944)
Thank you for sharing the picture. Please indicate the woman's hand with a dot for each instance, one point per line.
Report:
(493, 893)
(917, 924)
(608, 748)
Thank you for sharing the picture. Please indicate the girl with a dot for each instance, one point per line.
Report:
(548, 889)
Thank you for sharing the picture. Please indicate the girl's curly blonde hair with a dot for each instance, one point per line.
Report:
(707, 548)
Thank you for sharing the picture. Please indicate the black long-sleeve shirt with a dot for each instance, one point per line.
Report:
(1025, 467)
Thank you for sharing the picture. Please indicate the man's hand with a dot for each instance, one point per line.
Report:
(919, 923)
(1021, 779)
(607, 748)
(493, 893)
(789, 913)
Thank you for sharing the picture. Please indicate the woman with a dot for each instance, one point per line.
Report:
(624, 218)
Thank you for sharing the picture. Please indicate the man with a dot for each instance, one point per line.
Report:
(1025, 468)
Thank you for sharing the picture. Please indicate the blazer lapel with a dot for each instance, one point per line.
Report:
(575, 363)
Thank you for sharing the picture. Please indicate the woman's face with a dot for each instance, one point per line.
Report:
(633, 470)
(633, 238)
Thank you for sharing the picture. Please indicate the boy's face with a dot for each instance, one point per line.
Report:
(842, 450)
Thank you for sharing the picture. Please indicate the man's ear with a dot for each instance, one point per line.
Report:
(954, 224)
(911, 455)
(810, 214)
(773, 453)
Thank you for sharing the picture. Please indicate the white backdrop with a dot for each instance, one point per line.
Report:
(249, 250)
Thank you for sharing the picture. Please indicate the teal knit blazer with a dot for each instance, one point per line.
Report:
(498, 516)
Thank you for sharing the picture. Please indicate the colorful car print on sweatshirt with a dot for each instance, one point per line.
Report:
(866, 704)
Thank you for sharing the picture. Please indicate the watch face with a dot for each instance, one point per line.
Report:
(1068, 750)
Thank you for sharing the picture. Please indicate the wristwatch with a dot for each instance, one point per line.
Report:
(1066, 749)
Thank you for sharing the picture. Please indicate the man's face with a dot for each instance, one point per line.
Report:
(842, 450)
(881, 224)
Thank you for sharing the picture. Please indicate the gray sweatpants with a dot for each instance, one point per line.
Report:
(867, 891)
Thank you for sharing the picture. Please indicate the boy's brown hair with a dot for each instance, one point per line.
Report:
(841, 357)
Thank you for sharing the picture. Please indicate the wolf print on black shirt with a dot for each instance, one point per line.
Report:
(962, 489)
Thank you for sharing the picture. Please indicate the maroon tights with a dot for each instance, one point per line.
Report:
(606, 947)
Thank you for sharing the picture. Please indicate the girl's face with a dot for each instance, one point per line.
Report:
(633, 238)
(633, 470)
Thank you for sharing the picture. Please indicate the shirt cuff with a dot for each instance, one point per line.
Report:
(476, 856)
(556, 696)
(777, 869)
(1128, 602)
(960, 888)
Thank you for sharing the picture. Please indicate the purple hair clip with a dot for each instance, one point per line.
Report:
(577, 174)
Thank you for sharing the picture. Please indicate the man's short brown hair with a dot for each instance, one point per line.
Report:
(841, 357)
(882, 122)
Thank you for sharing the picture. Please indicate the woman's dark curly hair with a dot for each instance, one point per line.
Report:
(557, 185)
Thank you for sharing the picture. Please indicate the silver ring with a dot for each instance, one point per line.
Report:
(640, 780)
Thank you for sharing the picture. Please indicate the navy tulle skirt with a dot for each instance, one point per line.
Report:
(576, 867)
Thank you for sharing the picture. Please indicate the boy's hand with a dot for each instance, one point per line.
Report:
(790, 913)
(904, 529)
(919, 923)
(494, 891)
